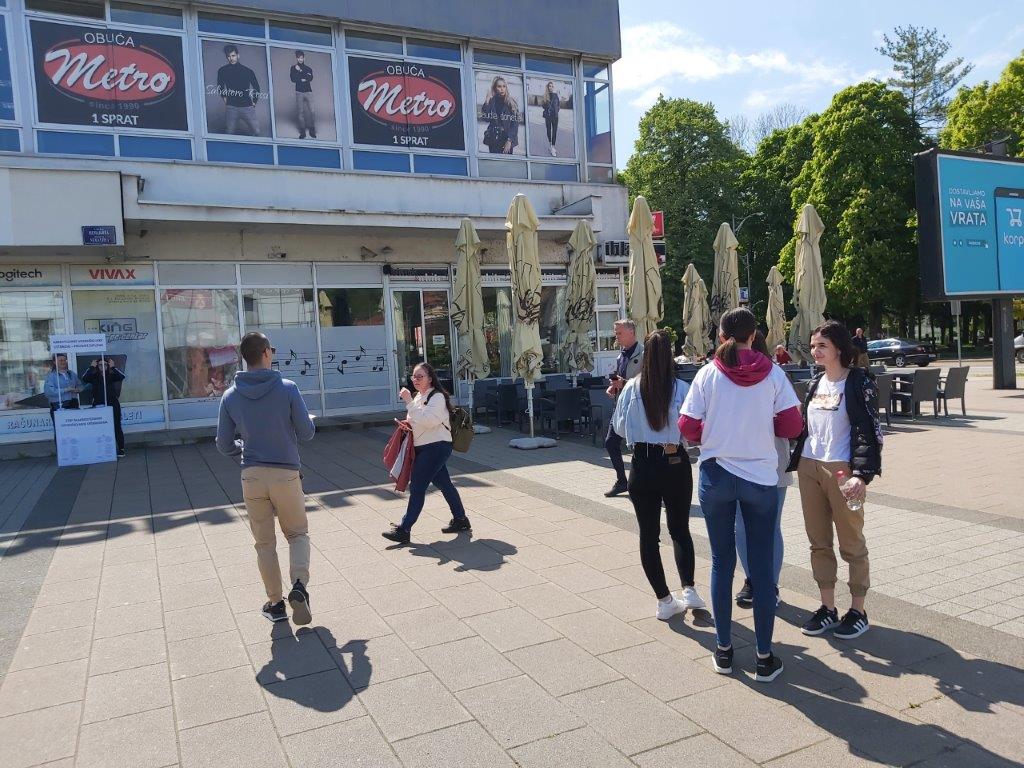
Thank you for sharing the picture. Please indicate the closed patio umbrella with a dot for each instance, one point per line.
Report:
(808, 284)
(504, 323)
(646, 307)
(725, 287)
(468, 309)
(579, 303)
(776, 316)
(696, 315)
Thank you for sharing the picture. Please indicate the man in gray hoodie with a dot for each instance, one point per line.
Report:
(271, 417)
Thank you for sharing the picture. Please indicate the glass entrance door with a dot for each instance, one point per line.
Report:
(423, 330)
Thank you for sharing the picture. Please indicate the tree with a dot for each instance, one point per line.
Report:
(921, 75)
(989, 111)
(685, 164)
(778, 118)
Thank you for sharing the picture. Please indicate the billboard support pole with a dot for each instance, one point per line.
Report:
(1004, 374)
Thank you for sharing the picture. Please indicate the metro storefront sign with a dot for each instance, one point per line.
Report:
(108, 77)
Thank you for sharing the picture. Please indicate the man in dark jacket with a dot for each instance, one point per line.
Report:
(302, 75)
(238, 86)
(860, 343)
(107, 393)
(271, 417)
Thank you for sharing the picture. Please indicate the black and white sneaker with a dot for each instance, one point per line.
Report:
(768, 668)
(275, 611)
(458, 524)
(745, 597)
(854, 624)
(618, 489)
(822, 620)
(397, 534)
(722, 659)
(298, 599)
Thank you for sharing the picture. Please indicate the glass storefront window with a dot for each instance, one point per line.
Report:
(147, 15)
(608, 295)
(341, 307)
(432, 49)
(287, 317)
(363, 41)
(598, 108)
(128, 318)
(224, 24)
(594, 69)
(6, 84)
(27, 319)
(90, 9)
(497, 58)
(301, 33)
(498, 329)
(606, 331)
(553, 329)
(200, 327)
(353, 338)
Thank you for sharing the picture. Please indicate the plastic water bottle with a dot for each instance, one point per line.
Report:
(846, 487)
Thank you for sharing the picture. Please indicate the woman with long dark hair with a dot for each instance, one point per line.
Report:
(735, 408)
(429, 419)
(501, 112)
(838, 453)
(645, 416)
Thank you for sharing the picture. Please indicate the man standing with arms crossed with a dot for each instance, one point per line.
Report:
(628, 364)
(271, 417)
(302, 75)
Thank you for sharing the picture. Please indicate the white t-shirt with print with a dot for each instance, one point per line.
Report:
(828, 423)
(739, 426)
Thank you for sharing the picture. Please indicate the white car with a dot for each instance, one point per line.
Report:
(1018, 348)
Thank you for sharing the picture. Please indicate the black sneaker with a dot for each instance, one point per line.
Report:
(617, 489)
(768, 669)
(275, 611)
(745, 597)
(298, 599)
(823, 619)
(854, 624)
(312, 133)
(722, 660)
(458, 524)
(397, 534)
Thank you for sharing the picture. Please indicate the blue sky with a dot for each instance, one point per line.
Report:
(745, 57)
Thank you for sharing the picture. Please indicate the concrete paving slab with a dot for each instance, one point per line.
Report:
(511, 628)
(582, 748)
(42, 687)
(126, 692)
(461, 746)
(313, 701)
(41, 736)
(562, 667)
(411, 706)
(666, 673)
(216, 696)
(597, 631)
(518, 711)
(143, 740)
(352, 744)
(702, 749)
(467, 663)
(242, 742)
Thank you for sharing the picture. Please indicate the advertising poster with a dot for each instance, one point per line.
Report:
(88, 75)
(84, 436)
(400, 104)
(500, 105)
(236, 89)
(6, 87)
(550, 117)
(303, 94)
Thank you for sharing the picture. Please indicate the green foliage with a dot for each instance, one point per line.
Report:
(672, 333)
(989, 111)
(686, 165)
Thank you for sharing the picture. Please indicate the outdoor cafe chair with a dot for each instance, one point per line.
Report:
(954, 387)
(884, 383)
(502, 401)
(800, 387)
(921, 387)
(482, 392)
(569, 405)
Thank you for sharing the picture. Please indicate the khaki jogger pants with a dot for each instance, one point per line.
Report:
(824, 507)
(274, 490)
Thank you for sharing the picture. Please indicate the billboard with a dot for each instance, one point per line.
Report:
(115, 78)
(971, 224)
(235, 88)
(499, 113)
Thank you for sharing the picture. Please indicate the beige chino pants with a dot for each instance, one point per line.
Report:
(270, 491)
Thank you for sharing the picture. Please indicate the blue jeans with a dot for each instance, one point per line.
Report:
(429, 467)
(719, 492)
(741, 539)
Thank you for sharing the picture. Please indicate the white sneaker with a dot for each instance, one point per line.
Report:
(554, 152)
(669, 608)
(690, 599)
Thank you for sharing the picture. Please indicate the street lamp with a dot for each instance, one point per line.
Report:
(746, 256)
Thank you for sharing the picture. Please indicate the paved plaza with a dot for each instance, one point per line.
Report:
(132, 635)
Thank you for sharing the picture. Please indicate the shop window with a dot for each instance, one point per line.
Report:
(498, 329)
(28, 319)
(549, 64)
(606, 331)
(440, 165)
(380, 161)
(608, 295)
(600, 174)
(61, 143)
(287, 317)
(344, 307)
(202, 273)
(553, 328)
(431, 49)
(301, 33)
(89, 9)
(595, 70)
(237, 152)
(501, 169)
(152, 146)
(200, 328)
(238, 26)
(128, 318)
(6, 85)
(10, 140)
(598, 108)
(554, 172)
(353, 338)
(497, 58)
(307, 157)
(146, 15)
(362, 41)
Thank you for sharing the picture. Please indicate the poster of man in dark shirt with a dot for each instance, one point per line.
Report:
(302, 75)
(240, 90)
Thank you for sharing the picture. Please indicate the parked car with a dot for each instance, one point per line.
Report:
(899, 352)
(1018, 348)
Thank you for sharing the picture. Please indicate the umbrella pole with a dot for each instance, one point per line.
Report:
(529, 406)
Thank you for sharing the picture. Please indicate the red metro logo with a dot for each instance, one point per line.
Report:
(402, 94)
(108, 67)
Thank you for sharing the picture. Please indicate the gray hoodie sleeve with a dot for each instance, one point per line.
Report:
(304, 427)
(226, 432)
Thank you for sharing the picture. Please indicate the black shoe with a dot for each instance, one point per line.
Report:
(302, 134)
(745, 597)
(722, 660)
(854, 624)
(298, 599)
(617, 489)
(120, 453)
(275, 611)
(822, 620)
(397, 534)
(768, 669)
(458, 524)
(312, 133)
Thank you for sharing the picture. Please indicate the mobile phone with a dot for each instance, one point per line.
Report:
(612, 376)
(1009, 238)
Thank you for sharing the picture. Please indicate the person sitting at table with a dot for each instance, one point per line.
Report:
(782, 357)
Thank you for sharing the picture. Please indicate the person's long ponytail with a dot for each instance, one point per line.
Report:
(736, 326)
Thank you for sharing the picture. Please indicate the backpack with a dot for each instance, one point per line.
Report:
(461, 428)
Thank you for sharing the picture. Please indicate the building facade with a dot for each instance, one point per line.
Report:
(175, 175)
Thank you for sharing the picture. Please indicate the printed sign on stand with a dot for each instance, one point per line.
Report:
(84, 436)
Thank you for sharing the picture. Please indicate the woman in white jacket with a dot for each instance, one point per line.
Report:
(429, 419)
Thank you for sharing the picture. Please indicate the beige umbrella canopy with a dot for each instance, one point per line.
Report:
(646, 307)
(579, 305)
(776, 310)
(696, 315)
(524, 262)
(468, 305)
(808, 284)
(725, 288)
(504, 323)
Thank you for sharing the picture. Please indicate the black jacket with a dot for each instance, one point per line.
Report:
(93, 377)
(861, 397)
(238, 86)
(302, 76)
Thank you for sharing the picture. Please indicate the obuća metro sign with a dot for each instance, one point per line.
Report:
(406, 105)
(108, 78)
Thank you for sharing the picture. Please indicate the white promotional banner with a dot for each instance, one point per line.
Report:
(78, 343)
(84, 436)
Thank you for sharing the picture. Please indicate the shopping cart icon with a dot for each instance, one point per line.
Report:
(1015, 218)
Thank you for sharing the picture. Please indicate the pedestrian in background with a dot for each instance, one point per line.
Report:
(61, 385)
(646, 417)
(735, 409)
(270, 415)
(782, 356)
(105, 380)
(841, 434)
(627, 365)
(860, 344)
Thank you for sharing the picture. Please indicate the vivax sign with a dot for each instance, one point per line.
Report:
(86, 75)
(401, 104)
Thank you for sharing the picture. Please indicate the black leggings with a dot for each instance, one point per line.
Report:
(653, 480)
